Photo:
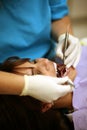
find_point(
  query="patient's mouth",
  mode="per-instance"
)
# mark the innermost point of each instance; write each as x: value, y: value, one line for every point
x: 60, y: 70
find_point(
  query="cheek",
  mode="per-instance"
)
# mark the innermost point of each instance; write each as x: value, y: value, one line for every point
x: 46, y: 67
x: 23, y: 71
x: 51, y: 69
x: 28, y: 72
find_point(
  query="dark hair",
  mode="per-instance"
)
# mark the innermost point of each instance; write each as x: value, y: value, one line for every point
x: 23, y: 112
x: 10, y: 63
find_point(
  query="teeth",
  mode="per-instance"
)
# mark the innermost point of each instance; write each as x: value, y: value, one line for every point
x: 55, y: 66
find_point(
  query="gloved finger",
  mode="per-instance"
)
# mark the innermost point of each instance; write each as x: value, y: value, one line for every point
x: 72, y: 48
x: 64, y: 89
x: 78, y: 58
x: 72, y: 44
x: 69, y: 49
x: 70, y: 63
x: 72, y: 55
x: 70, y: 60
x: 74, y: 61
x: 61, y: 80
x: 60, y: 54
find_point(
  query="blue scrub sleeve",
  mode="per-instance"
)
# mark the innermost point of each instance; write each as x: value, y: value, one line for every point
x: 59, y: 9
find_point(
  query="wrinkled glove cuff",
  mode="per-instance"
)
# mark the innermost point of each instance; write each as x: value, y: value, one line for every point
x: 24, y: 91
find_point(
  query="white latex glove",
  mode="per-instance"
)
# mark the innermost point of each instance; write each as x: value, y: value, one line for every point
x: 72, y: 52
x: 46, y: 88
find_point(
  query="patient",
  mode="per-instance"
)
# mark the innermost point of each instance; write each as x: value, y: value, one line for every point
x: 77, y: 99
x: 44, y: 67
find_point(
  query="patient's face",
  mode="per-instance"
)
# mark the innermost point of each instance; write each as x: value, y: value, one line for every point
x: 42, y: 66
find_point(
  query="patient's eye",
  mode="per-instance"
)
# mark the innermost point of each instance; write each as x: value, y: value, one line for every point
x: 35, y: 61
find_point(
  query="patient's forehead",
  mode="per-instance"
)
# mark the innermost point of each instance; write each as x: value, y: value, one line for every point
x: 41, y: 60
x: 44, y: 60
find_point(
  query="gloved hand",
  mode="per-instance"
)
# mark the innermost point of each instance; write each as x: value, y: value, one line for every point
x: 45, y: 88
x: 72, y: 52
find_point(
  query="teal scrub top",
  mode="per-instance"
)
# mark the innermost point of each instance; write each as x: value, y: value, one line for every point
x: 25, y: 27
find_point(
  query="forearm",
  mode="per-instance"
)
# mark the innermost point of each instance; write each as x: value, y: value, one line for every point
x: 11, y: 83
x: 60, y: 26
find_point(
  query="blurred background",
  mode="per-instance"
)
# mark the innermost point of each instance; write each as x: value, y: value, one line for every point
x: 78, y: 14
